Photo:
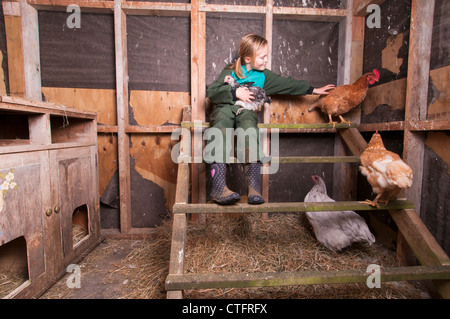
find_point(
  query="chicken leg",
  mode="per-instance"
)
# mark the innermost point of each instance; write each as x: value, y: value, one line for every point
x: 331, y: 121
x: 373, y: 203
x: 344, y: 121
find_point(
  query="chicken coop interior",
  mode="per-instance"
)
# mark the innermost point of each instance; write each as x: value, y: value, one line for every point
x: 103, y: 107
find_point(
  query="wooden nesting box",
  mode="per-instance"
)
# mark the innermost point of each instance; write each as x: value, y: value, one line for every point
x: 49, y: 203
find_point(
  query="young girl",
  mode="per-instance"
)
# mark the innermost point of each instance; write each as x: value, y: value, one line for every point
x: 249, y: 67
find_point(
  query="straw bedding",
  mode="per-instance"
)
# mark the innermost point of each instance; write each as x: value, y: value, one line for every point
x: 284, y: 242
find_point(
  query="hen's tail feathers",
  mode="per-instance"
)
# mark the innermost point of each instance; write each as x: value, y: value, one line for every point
x: 401, y: 173
x: 312, y: 107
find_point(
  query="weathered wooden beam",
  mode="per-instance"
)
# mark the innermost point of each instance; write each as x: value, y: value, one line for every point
x: 268, y: 34
x: 386, y: 126
x: 419, y: 238
x: 14, y: 43
x: 156, y: 8
x: 315, y: 159
x: 354, y: 140
x: 428, y: 125
x: 177, y: 252
x: 309, y: 14
x: 224, y: 8
x: 92, y: 6
x: 286, y: 207
x: 360, y: 6
x: 31, y: 60
x: 345, y: 45
x: 281, y: 126
x: 283, y: 160
x: 182, y: 189
x: 421, y: 28
x: 422, y: 243
x: 19, y: 104
x: 246, y: 280
x: 151, y: 128
x: 120, y: 38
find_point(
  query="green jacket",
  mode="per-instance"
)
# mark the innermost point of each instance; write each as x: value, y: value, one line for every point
x: 220, y: 92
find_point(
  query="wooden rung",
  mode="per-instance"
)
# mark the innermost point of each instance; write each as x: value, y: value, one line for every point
x: 285, y: 160
x: 315, y: 159
x: 246, y: 280
x: 181, y: 208
x: 307, y: 126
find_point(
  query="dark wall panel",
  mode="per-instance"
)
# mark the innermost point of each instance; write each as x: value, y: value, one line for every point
x: 159, y: 53
x: 223, y: 35
x: 79, y: 57
x: 293, y: 181
x: 435, y: 203
x: 306, y: 50
x: 395, y: 16
x: 440, y: 45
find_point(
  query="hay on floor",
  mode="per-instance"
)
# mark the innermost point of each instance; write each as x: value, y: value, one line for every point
x: 284, y: 242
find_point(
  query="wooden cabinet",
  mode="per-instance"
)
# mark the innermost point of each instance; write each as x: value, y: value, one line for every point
x: 49, y: 202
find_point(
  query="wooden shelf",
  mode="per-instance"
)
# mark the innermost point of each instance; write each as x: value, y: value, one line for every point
x: 281, y: 126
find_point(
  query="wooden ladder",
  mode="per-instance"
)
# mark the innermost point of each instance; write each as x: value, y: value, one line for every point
x: 435, y: 264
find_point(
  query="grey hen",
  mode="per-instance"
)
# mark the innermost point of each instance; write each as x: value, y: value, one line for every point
x: 260, y: 97
x: 335, y: 229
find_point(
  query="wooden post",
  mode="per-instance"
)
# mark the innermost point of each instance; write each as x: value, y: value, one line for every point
x: 341, y: 171
x: 201, y: 109
x: 14, y: 43
x: 31, y: 60
x: 268, y: 34
x: 421, y: 28
x: 120, y: 34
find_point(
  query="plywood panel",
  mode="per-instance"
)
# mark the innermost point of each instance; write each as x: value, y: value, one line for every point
x: 3, y: 80
x: 391, y: 93
x: 13, y: 28
x: 158, y: 107
x: 440, y: 103
x: 294, y: 109
x: 152, y: 158
x: 102, y: 101
x: 107, y: 159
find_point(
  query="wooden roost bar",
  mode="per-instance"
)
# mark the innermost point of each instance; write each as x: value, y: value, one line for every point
x: 137, y: 112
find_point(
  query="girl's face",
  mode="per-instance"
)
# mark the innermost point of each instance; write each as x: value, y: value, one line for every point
x: 261, y: 59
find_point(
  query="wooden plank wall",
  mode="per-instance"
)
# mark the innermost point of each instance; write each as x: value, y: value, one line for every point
x: 134, y: 139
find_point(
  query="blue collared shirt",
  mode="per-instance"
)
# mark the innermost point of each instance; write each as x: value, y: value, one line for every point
x: 253, y: 75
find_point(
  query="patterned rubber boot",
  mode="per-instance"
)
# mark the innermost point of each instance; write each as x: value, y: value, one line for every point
x: 253, y: 175
x: 220, y: 192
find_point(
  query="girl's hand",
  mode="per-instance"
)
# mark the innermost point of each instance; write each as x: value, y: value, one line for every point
x: 324, y: 89
x: 244, y: 94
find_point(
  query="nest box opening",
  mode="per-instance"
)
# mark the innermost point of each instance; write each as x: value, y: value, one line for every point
x: 80, y: 224
x: 13, y: 265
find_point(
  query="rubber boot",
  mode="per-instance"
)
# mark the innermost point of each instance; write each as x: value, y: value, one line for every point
x: 253, y: 175
x: 220, y: 192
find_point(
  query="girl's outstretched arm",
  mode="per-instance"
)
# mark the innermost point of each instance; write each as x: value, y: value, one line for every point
x: 324, y: 89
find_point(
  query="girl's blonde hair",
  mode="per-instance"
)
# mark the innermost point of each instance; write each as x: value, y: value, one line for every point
x: 249, y: 46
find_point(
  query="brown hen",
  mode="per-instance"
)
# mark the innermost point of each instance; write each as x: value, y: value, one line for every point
x: 386, y: 172
x: 345, y: 98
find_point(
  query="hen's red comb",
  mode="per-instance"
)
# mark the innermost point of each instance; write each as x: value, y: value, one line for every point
x: 377, y: 73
